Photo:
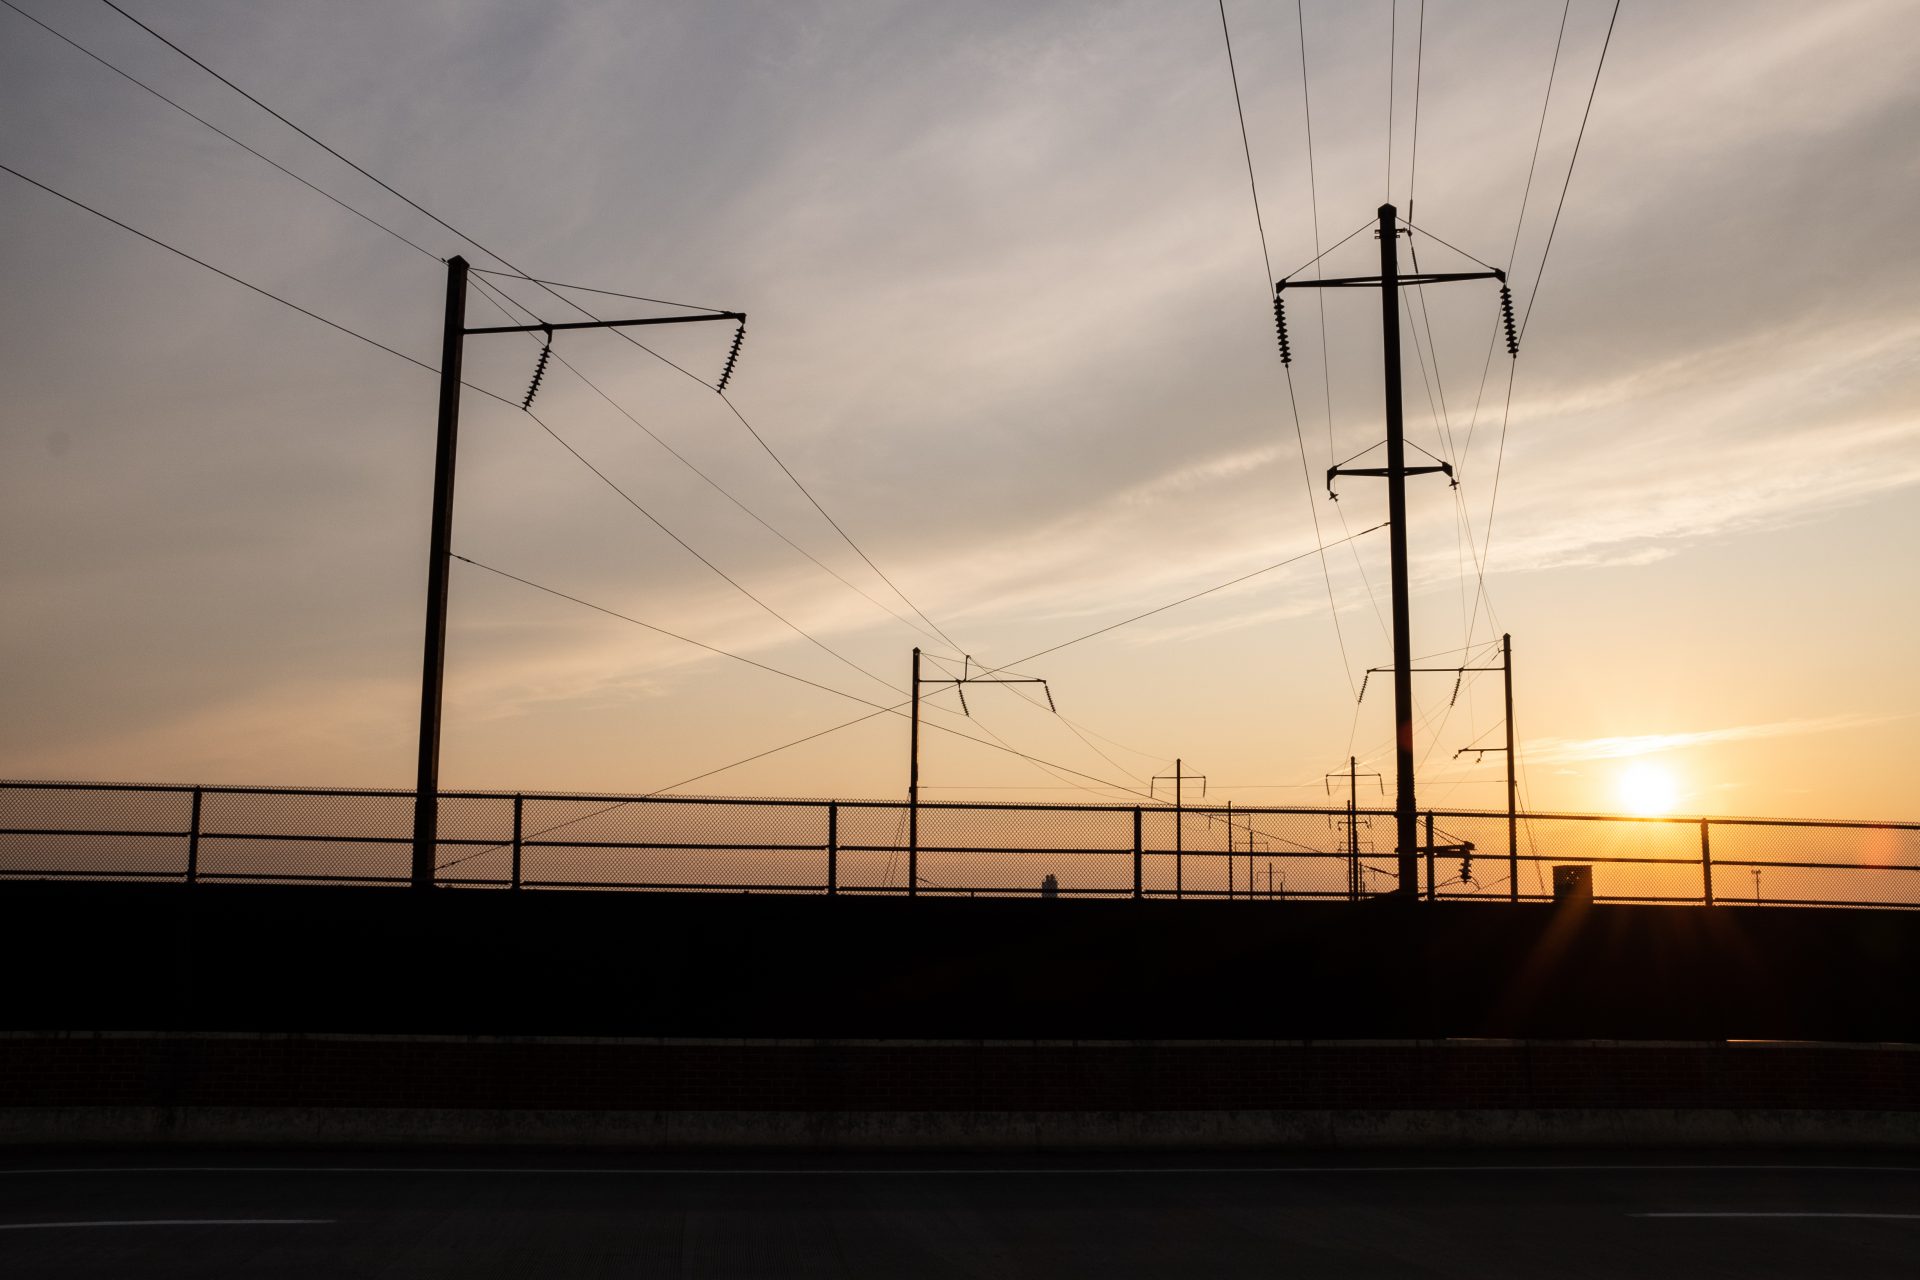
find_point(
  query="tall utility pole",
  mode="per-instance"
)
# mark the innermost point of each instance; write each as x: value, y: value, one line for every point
x: 1395, y: 473
x: 426, y: 801
x: 913, y: 747
x: 1178, y: 776
x: 1513, y: 787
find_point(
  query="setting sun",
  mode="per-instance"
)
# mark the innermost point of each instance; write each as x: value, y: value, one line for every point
x: 1647, y: 789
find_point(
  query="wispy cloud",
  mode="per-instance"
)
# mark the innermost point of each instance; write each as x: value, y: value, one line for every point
x: 1566, y: 750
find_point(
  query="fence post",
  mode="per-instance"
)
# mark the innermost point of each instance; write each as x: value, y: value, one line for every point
x: 1433, y: 887
x: 1136, y: 851
x: 518, y: 804
x: 193, y: 840
x: 833, y: 847
x: 1706, y: 865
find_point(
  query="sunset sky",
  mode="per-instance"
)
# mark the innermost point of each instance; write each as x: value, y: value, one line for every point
x: 1010, y: 326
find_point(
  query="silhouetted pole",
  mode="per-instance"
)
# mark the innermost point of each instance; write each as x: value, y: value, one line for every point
x: 1230, y: 853
x: 426, y: 794
x: 1395, y: 473
x: 913, y: 787
x: 1407, y: 833
x: 1178, y: 776
x: 1513, y: 788
x: 1353, y: 829
x: 1177, y: 771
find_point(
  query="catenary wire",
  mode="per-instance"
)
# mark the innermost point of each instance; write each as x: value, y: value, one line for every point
x: 131, y: 79
x: 228, y: 275
x: 1500, y: 451
x: 532, y: 279
x: 1266, y: 261
x: 486, y: 292
x: 690, y: 550
x: 1320, y: 306
x: 879, y: 708
x: 583, y: 288
x: 1114, y: 626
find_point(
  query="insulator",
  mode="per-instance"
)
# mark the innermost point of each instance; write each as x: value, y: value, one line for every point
x: 539, y: 372
x: 726, y: 374
x: 1466, y: 868
x: 1280, y: 327
x: 1506, y: 316
x: 1363, y: 687
x: 1458, y: 677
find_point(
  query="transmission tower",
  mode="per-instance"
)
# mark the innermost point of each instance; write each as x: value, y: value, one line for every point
x: 1395, y: 473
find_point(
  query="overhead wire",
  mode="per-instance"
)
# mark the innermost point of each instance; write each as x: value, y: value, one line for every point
x: 132, y: 79
x: 1266, y: 288
x: 393, y: 351
x: 228, y: 275
x: 549, y: 288
x: 1320, y: 307
x: 1534, y: 293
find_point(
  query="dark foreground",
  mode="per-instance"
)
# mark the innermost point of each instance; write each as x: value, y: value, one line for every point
x: 212, y: 1214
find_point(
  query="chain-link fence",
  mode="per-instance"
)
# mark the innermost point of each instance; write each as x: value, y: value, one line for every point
x: 59, y: 830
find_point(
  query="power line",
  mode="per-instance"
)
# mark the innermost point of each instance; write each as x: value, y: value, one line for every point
x: 581, y: 458
x: 879, y: 709
x: 228, y: 275
x: 1500, y: 452
x: 308, y: 136
x: 671, y: 635
x: 1114, y: 626
x: 1246, y: 147
x: 731, y: 497
x: 1579, y: 137
x: 1393, y: 54
x: 1320, y: 306
x: 808, y: 494
x: 131, y: 79
x: 690, y: 550
x: 610, y: 293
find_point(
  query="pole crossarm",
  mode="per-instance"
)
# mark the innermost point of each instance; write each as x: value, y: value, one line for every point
x: 605, y: 324
x: 1374, y: 282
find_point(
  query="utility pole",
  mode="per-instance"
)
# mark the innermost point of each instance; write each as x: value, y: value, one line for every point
x: 1395, y: 473
x: 913, y: 747
x: 426, y: 796
x: 1178, y: 775
x: 1513, y: 787
x: 1353, y: 776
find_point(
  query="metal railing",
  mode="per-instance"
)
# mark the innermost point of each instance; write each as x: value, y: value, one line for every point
x: 503, y: 840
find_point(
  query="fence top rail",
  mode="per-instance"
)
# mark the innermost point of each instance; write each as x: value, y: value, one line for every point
x: 1117, y: 808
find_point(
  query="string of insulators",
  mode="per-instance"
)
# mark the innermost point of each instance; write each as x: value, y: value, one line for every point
x: 1362, y: 697
x: 1506, y: 315
x: 1280, y: 327
x: 539, y: 372
x: 1458, y: 677
x: 726, y: 374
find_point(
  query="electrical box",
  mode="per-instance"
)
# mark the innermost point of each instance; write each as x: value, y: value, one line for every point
x: 1573, y: 884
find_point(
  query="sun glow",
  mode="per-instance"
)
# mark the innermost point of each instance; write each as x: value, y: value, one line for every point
x: 1647, y: 789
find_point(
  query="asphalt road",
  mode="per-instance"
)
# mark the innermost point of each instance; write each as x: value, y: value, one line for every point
x: 420, y: 1214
